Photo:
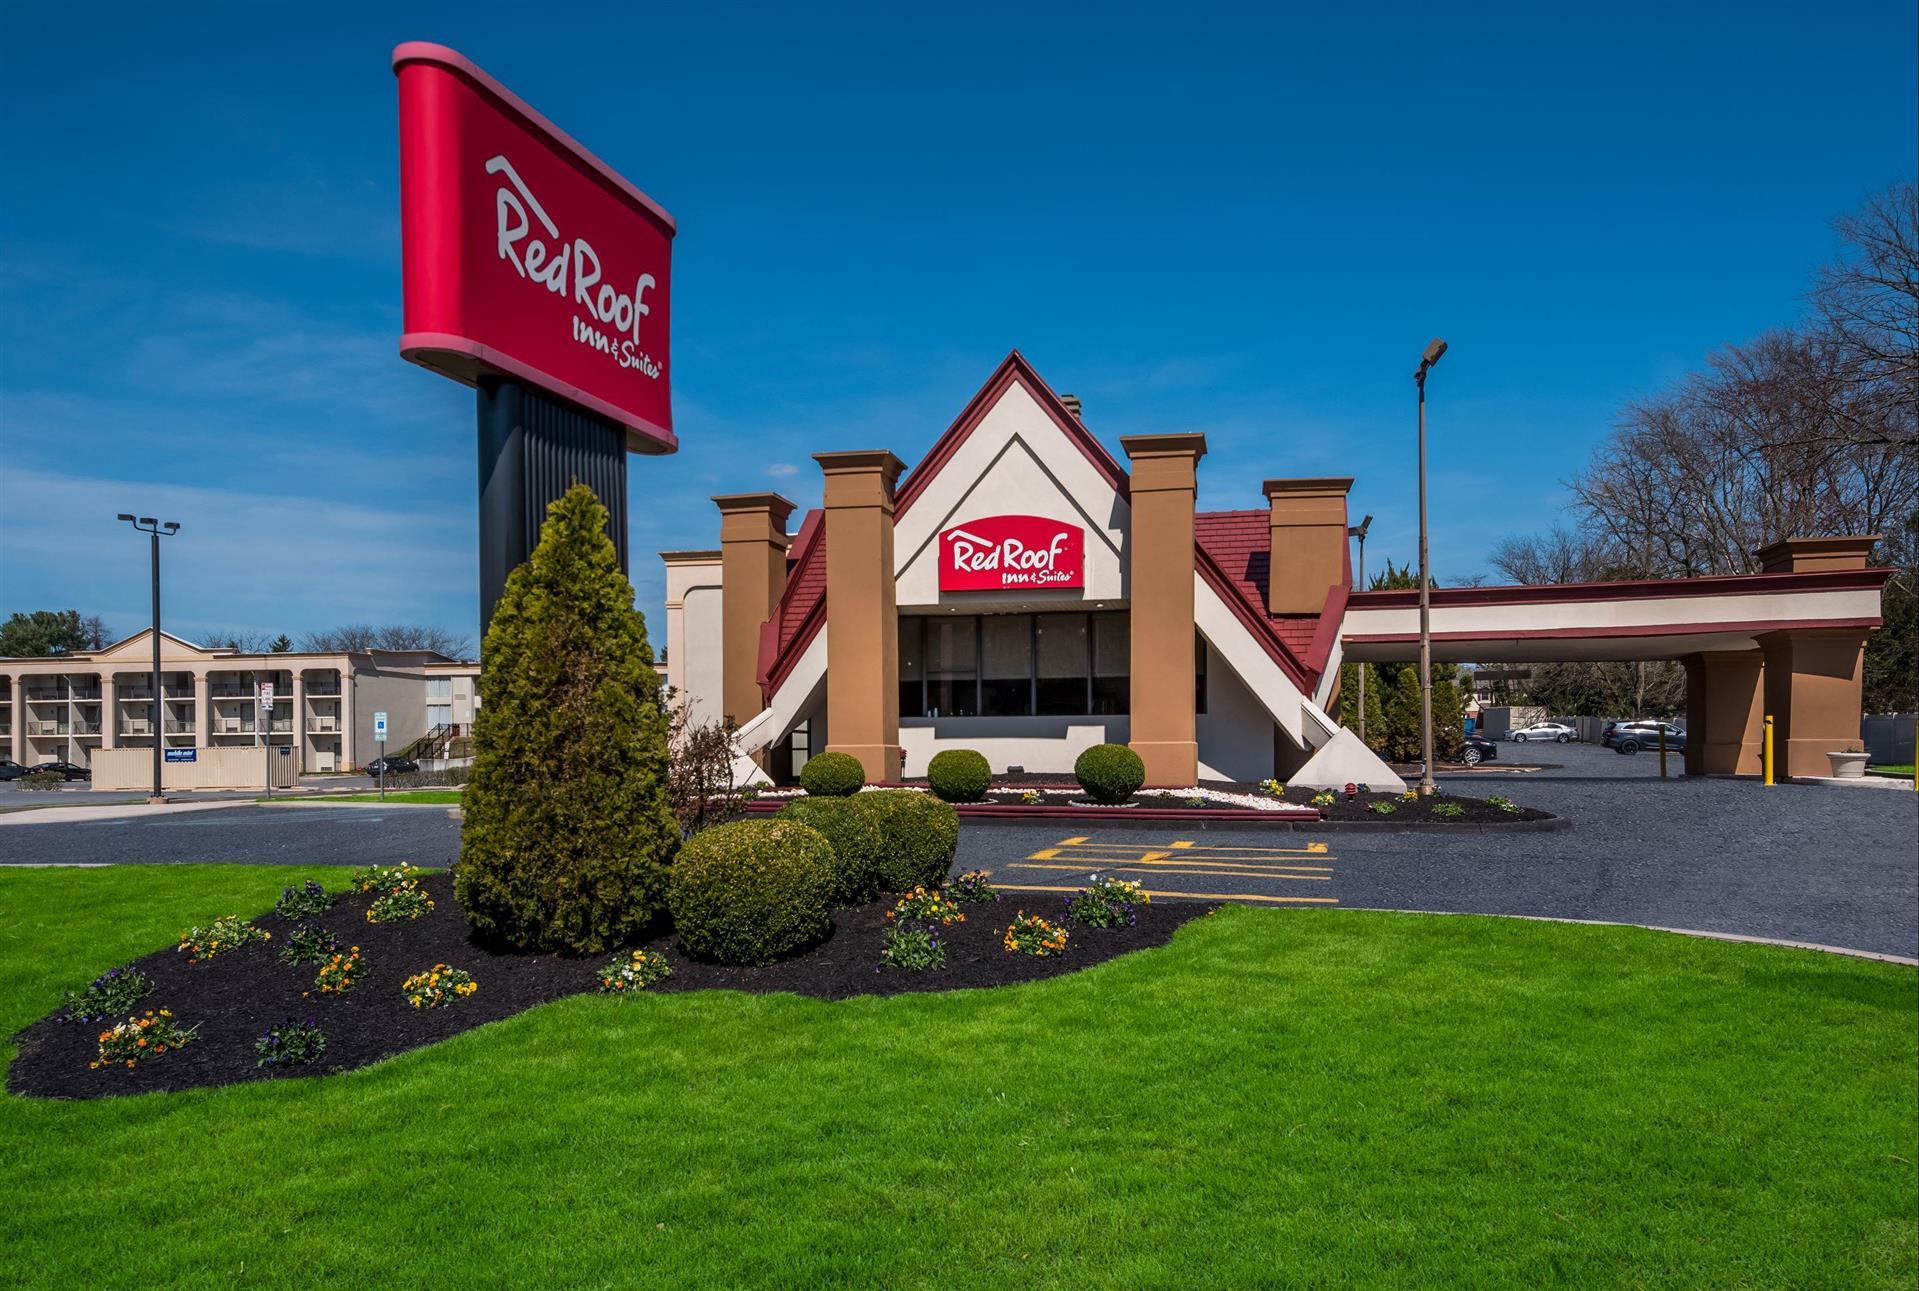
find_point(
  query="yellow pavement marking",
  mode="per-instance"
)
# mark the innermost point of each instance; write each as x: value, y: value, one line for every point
x: 1184, y: 842
x: 1245, y: 866
x: 1195, y: 896
x: 1160, y: 869
x: 1155, y: 856
x: 1044, y: 854
x: 1071, y: 842
x: 1315, y: 849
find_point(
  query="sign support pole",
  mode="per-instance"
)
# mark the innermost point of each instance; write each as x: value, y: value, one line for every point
x: 533, y: 447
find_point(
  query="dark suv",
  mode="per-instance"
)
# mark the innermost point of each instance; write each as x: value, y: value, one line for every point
x: 1630, y: 737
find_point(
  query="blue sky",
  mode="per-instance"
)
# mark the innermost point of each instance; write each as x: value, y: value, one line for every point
x: 1242, y: 221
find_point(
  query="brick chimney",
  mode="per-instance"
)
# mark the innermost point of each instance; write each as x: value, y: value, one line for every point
x: 1307, y: 551
x: 1072, y: 405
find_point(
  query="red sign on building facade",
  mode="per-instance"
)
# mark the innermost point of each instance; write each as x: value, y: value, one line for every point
x: 1023, y: 552
x: 524, y: 255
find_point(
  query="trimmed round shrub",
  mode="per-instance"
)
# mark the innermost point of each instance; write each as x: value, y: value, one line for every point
x: 855, y: 841
x: 960, y: 775
x: 1109, y: 772
x: 833, y: 775
x: 752, y: 891
x: 918, y: 836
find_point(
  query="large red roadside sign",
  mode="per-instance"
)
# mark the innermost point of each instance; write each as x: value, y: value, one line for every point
x: 526, y: 256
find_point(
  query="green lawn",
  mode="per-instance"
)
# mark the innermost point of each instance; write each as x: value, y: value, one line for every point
x: 1891, y: 768
x: 1278, y: 1098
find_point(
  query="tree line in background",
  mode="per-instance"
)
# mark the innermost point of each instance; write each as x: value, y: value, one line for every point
x: 41, y: 634
x: 1392, y: 697
x: 1807, y: 430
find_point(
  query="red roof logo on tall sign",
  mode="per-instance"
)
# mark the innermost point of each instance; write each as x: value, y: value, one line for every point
x: 525, y: 256
x: 1012, y: 552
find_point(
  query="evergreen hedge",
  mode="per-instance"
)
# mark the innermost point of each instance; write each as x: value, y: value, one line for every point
x: 856, y: 844
x: 568, y: 833
x: 752, y: 891
x: 1109, y: 773
x: 960, y: 775
x: 918, y: 836
x: 833, y: 775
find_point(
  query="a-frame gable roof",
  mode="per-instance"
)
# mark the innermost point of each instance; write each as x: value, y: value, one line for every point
x: 1013, y: 370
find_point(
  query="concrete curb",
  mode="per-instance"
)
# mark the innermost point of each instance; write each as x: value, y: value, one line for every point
x: 1704, y: 935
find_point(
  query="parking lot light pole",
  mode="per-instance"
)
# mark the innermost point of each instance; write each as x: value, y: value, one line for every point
x: 156, y: 715
x: 1426, y: 785
x: 1359, y: 531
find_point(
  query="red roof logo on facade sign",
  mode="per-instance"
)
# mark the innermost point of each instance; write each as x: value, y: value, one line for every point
x: 1025, y: 552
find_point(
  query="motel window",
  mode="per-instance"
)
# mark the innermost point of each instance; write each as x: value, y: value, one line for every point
x: 1112, y: 663
x: 1015, y: 665
x: 912, y: 668
x: 1062, y: 665
x: 952, y: 667
x: 1006, y: 665
x: 439, y: 688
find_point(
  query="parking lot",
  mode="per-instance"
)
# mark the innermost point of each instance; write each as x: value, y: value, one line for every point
x: 1795, y: 862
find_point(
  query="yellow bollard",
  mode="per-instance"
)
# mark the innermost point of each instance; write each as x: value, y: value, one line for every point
x: 1766, y: 750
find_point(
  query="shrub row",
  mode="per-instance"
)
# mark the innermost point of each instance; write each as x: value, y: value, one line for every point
x: 1109, y: 773
x: 757, y: 890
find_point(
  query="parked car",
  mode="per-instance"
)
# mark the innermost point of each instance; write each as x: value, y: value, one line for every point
x: 66, y: 770
x: 11, y: 770
x: 1557, y: 732
x: 1630, y: 737
x: 394, y: 765
x: 1478, y: 749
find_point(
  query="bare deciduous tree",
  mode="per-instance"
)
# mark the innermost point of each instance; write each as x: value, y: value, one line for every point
x: 360, y: 637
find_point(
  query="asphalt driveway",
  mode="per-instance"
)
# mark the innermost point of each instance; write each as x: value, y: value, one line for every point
x: 1801, y: 863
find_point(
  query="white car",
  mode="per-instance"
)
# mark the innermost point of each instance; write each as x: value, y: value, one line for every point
x: 1557, y: 732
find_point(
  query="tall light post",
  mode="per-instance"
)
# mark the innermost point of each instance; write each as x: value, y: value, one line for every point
x: 157, y: 719
x: 1359, y: 531
x: 1426, y: 785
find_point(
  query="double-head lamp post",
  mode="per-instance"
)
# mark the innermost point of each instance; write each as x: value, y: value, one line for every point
x: 157, y: 713
x: 1359, y: 531
x: 1426, y: 785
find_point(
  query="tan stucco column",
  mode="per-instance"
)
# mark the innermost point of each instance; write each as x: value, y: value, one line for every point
x: 299, y: 721
x: 1814, y: 676
x: 1814, y: 680
x: 1161, y: 555
x: 346, y: 716
x: 753, y: 546
x: 862, y: 610
x: 17, y: 715
x: 1725, y: 716
x: 1306, y: 551
x: 109, y: 712
x: 202, y: 711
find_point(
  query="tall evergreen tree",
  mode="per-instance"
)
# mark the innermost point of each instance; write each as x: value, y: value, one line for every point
x: 568, y: 829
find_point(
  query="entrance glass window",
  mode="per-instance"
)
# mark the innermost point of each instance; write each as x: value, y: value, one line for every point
x: 952, y: 667
x: 1061, y: 655
x: 1015, y: 665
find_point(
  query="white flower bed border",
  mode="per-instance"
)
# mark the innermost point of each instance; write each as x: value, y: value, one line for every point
x: 1250, y: 801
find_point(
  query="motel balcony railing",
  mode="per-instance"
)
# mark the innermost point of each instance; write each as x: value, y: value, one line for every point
x: 44, y: 693
x: 323, y: 724
x: 86, y: 728
x: 46, y: 728
x: 137, y: 726
x: 177, y: 726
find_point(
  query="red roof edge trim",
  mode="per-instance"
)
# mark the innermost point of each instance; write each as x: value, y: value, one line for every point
x: 803, y: 545
x: 1326, y: 632
x: 1260, y: 629
x: 1012, y: 369
x: 783, y: 667
x: 1638, y: 589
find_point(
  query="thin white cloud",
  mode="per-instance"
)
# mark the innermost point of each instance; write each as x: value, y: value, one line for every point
x: 782, y: 469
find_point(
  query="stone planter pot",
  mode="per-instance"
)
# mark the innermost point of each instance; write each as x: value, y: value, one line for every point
x: 1847, y: 766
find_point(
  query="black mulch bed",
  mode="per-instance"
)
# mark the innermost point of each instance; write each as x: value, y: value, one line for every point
x: 1477, y: 811
x: 234, y: 998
